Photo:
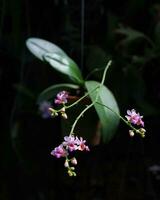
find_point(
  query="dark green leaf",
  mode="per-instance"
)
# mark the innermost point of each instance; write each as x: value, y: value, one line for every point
x: 131, y: 35
x: 109, y: 120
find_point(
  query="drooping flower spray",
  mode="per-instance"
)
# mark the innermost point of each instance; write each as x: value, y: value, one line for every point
x: 73, y: 143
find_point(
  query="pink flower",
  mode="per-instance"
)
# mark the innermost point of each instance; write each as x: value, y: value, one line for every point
x: 134, y: 117
x: 61, y: 97
x: 70, y: 143
x: 81, y: 144
x: 59, y: 152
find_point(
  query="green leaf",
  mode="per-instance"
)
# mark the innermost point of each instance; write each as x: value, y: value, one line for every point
x: 56, y: 57
x: 109, y: 120
x: 131, y: 35
x: 65, y: 65
x: 50, y: 92
x: 40, y: 47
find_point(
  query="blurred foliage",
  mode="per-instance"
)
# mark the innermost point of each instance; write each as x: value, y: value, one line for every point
x: 125, y: 31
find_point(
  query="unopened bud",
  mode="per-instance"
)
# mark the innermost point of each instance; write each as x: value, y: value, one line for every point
x: 53, y: 112
x: 70, y: 173
x: 72, y: 168
x: 63, y: 110
x: 142, y: 132
x: 74, y: 161
x: 131, y: 133
x: 64, y: 115
x: 66, y: 164
x: 73, y: 173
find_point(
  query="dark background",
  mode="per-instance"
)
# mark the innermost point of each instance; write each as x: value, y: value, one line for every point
x: 118, y: 170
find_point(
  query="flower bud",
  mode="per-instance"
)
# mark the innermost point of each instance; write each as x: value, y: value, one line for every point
x: 142, y: 132
x: 131, y: 133
x: 74, y: 161
x: 70, y: 173
x: 53, y: 112
x: 64, y: 115
x: 72, y: 168
x: 74, y: 174
x: 66, y: 164
x: 63, y: 110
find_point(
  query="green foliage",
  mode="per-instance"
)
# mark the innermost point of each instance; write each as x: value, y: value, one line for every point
x: 109, y: 120
x: 56, y: 57
x: 131, y: 35
x: 59, y: 60
x: 65, y: 65
x: 40, y: 47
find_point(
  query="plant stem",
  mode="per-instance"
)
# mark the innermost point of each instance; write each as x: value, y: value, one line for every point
x: 97, y: 95
x: 79, y: 116
x: 82, y: 98
x: 105, y: 71
x: 123, y: 119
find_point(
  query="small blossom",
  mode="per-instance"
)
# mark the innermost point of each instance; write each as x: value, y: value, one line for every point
x: 59, y: 152
x: 69, y: 143
x: 61, y: 97
x: 134, y: 117
x: 81, y: 144
x: 44, y: 109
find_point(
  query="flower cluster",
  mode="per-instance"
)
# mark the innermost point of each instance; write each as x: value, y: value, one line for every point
x: 61, y: 98
x: 70, y: 144
x: 136, y: 119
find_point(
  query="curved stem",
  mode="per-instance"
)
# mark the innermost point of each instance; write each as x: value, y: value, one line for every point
x: 105, y: 71
x: 81, y: 98
x: 79, y: 116
x: 93, y: 71
x: 123, y: 119
x: 97, y: 95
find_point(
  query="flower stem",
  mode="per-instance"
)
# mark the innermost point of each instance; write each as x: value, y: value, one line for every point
x: 123, y: 119
x: 81, y: 98
x: 97, y: 95
x: 79, y: 116
x: 105, y: 71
